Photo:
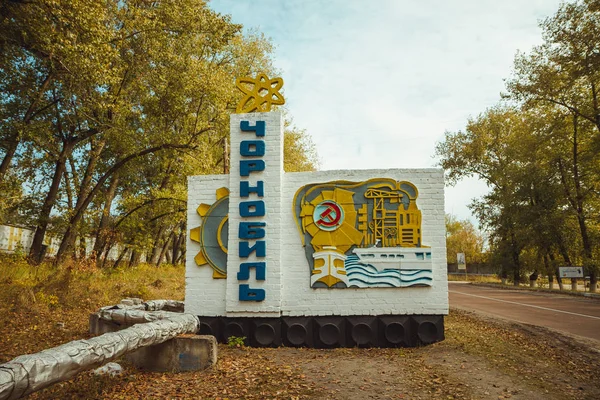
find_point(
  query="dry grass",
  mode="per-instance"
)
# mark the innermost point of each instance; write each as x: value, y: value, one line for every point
x: 44, y: 306
x: 474, y: 278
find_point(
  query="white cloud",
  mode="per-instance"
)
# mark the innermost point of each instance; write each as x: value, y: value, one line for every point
x: 376, y: 83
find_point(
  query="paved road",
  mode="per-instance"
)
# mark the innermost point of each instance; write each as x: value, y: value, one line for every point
x: 573, y: 315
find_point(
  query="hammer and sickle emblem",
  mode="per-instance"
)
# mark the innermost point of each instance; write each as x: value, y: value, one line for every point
x: 328, y: 215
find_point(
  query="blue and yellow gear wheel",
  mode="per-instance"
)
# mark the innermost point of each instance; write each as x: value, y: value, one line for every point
x: 213, y: 234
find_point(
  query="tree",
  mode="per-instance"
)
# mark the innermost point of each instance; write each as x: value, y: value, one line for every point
x: 564, y: 73
x: 107, y: 106
x: 463, y: 237
x: 565, y: 70
x: 299, y: 152
x: 40, y: 43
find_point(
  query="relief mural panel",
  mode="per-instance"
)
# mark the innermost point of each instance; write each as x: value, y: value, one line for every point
x: 362, y: 234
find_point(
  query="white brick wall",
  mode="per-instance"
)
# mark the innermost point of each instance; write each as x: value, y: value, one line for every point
x: 287, y: 283
x: 14, y: 238
x: 272, y: 177
x: 300, y: 299
x: 203, y: 294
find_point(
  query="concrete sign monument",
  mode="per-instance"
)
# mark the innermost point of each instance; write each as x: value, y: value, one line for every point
x: 318, y: 259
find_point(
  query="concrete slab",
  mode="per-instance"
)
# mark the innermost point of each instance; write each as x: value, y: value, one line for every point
x: 99, y: 326
x: 180, y: 354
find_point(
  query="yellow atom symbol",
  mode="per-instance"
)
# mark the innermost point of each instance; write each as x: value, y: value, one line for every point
x: 264, y: 93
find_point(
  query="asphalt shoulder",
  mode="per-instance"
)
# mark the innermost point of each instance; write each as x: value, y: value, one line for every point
x: 595, y: 296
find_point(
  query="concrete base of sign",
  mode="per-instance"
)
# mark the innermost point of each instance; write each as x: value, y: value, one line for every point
x: 181, y: 354
x: 330, y: 331
x: 99, y: 326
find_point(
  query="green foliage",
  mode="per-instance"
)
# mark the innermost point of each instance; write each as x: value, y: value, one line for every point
x: 299, y: 151
x: 235, y: 341
x: 463, y: 237
x: 107, y: 106
x: 538, y: 152
x: 49, y: 300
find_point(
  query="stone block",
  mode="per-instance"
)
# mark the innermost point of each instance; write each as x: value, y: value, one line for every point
x: 180, y: 354
x: 99, y: 326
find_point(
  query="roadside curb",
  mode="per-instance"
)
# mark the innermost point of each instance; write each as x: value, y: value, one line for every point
x: 588, y: 295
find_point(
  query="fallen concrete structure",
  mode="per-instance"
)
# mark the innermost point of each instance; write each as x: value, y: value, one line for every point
x: 183, y: 353
x: 29, y: 373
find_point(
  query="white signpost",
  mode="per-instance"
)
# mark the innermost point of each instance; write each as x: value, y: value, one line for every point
x: 571, y: 272
x: 461, y: 261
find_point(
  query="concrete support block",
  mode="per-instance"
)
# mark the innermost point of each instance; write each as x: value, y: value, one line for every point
x: 99, y: 326
x: 181, y: 354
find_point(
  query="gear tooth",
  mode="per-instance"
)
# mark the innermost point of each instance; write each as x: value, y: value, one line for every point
x: 203, y: 209
x: 222, y: 192
x: 217, y: 274
x: 195, y: 234
x: 200, y: 259
x: 327, y: 194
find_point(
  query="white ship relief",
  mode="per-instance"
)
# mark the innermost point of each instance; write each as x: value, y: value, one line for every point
x: 400, y: 258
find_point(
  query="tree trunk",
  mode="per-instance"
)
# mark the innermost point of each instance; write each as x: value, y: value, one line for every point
x: 516, y: 262
x: 105, y: 253
x: 68, y: 189
x: 82, y: 248
x: 563, y: 252
x: 173, y: 250
x: 35, y: 252
x: 156, y: 248
x: 180, y: 258
x: 9, y: 155
x: 555, y: 269
x: 85, y: 186
x: 549, y: 271
x: 65, y: 245
x: 593, y: 281
x: 121, y: 256
x: 84, y: 189
x: 15, y: 138
x: 103, y: 225
x: 164, y: 249
x: 577, y: 203
x: 176, y: 247
x: 135, y: 258
x: 561, y: 285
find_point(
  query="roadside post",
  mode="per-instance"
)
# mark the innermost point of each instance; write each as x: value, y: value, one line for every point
x: 462, y: 264
x: 573, y: 273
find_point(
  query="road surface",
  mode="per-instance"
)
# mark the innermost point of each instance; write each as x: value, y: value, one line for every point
x: 569, y: 314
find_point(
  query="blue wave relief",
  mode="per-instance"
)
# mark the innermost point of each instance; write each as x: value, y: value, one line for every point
x: 362, y: 275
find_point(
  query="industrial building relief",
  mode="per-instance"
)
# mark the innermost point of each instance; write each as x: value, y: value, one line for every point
x: 363, y: 234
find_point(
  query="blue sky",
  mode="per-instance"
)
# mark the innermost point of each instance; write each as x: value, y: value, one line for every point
x: 376, y: 83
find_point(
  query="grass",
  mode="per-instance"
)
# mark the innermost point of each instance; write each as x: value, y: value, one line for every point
x: 82, y: 284
x: 474, y: 278
x: 44, y: 306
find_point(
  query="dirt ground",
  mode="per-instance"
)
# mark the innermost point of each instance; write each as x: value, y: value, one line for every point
x: 481, y: 358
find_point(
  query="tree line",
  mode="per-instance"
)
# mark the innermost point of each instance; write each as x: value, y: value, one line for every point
x: 106, y: 106
x: 538, y: 150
